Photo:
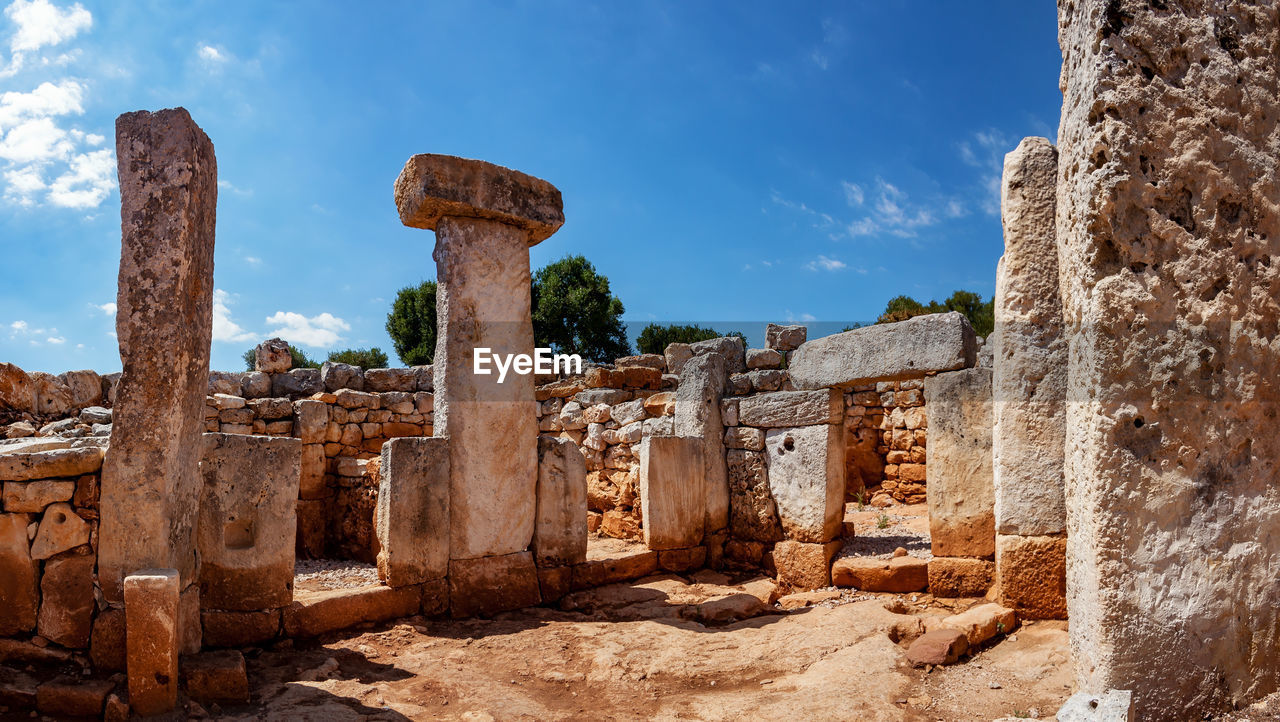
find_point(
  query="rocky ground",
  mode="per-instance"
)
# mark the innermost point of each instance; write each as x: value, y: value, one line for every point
x: 656, y: 649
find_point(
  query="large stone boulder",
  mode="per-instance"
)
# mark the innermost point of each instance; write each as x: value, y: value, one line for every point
x: 886, y: 352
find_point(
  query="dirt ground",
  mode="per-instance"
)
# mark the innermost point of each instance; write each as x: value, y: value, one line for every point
x: 653, y: 650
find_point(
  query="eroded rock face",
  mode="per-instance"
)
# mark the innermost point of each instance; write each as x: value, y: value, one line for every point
x: 961, y: 496
x: 560, y: 534
x: 1168, y: 235
x: 413, y: 511
x: 1029, y: 376
x: 164, y: 321
x: 702, y: 381
x: 672, y: 493
x: 806, y: 480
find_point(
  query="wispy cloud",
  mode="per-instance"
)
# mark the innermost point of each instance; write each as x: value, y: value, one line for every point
x: 224, y: 329
x: 803, y: 318
x: 109, y: 308
x: 819, y: 219
x: 227, y: 185
x: 891, y: 211
x: 826, y: 264
x: 986, y: 152
x: 35, y: 336
x: 43, y: 159
x: 212, y: 55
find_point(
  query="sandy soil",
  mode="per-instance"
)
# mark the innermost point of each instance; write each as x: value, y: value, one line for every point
x: 636, y: 651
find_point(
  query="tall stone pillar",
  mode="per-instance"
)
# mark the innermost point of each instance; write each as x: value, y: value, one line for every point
x: 1029, y: 381
x: 164, y: 319
x: 702, y: 383
x: 1169, y: 244
x: 485, y: 217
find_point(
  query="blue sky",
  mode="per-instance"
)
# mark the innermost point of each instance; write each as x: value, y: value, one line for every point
x: 728, y: 161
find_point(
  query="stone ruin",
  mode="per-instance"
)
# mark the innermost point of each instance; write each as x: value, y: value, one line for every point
x: 1104, y: 455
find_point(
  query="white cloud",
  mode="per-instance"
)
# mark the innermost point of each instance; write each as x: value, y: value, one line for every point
x: 853, y: 194
x: 88, y: 182
x: 826, y: 264
x: 804, y: 317
x: 40, y: 24
x: 212, y: 54
x: 253, y: 261
x: 56, y: 340
x: 986, y: 153
x: 18, y: 325
x: 316, y: 331
x: 893, y: 213
x: 226, y: 185
x: 224, y: 329
x: 108, y: 308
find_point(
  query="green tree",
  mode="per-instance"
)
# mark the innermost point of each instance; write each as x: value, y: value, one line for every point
x: 574, y: 311
x: 655, y: 338
x: 300, y: 360
x: 412, y: 324
x: 981, y: 314
x: 373, y: 358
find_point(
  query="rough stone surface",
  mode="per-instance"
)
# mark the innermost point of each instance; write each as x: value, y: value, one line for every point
x: 151, y: 639
x: 19, y: 577
x: 792, y: 408
x: 16, y: 389
x: 483, y: 300
x: 239, y: 629
x: 803, y: 565
x: 1029, y: 376
x: 732, y: 348
x: 672, y: 491
x: 676, y: 356
x: 66, y: 601
x: 960, y: 576
x: 870, y: 574
x: 982, y: 622
x: 61, y: 529
x: 341, y: 376
x: 806, y: 480
x: 324, y: 612
x: 432, y: 187
x: 216, y: 677
x: 164, y: 321
x: 65, y: 696
x: 753, y: 515
x: 413, y: 511
x: 560, y: 532
x: 34, y: 496
x: 245, y: 533
x: 492, y: 584
x: 886, y: 352
x: 49, y: 464
x: 939, y: 646
x: 702, y: 383
x: 784, y: 338
x: 106, y: 642
x: 961, y: 494
x: 272, y: 356
x: 1032, y: 575
x: 1167, y: 233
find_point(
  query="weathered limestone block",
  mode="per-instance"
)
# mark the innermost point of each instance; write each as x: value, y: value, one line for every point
x: 239, y: 629
x: 433, y: 187
x: 216, y: 677
x: 1029, y: 377
x: 66, y: 601
x: 245, y: 534
x: 752, y: 512
x: 803, y: 565
x: 164, y: 322
x: 341, y: 376
x: 785, y: 338
x: 960, y: 576
x: 52, y: 396
x: 676, y: 356
x: 151, y: 639
x: 806, y: 480
x: 50, y: 464
x: 1167, y: 229
x: 899, y: 574
x: 322, y: 612
x: 672, y: 493
x: 34, y: 496
x: 19, y: 577
x: 106, y: 642
x: 16, y: 389
x: 311, y: 421
x: 560, y: 532
x: 85, y: 387
x: 412, y: 521
x: 732, y: 348
x: 61, y: 529
x: 272, y: 356
x: 399, y: 379
x: 296, y: 382
x: 792, y: 408
x: 961, y: 494
x: 490, y: 585
x: 702, y: 383
x: 1032, y: 575
x: 886, y: 352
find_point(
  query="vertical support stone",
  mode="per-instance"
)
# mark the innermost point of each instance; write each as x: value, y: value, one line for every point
x: 958, y: 475
x: 151, y: 639
x: 248, y: 514
x: 806, y: 479
x: 672, y: 491
x: 702, y: 382
x: 19, y: 577
x: 485, y: 217
x: 1029, y: 387
x: 560, y: 534
x: 164, y: 320
x: 412, y: 519
x: 1169, y: 241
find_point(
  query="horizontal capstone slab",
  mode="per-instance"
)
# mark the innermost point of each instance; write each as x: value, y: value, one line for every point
x: 900, y: 351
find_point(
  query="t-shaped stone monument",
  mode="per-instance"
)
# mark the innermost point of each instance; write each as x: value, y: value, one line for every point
x: 485, y: 217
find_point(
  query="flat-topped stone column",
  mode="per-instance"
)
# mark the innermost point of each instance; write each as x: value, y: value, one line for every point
x: 485, y: 217
x: 164, y: 321
x: 1029, y: 385
x: 1168, y: 233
